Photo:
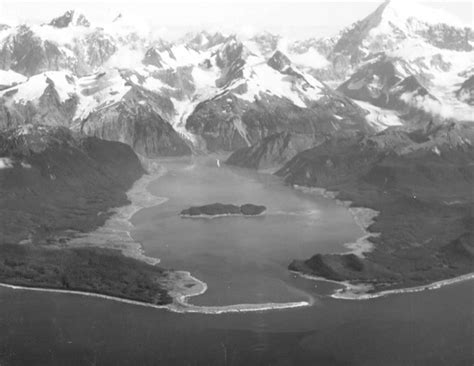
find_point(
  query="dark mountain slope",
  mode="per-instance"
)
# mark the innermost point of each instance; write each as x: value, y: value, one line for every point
x: 54, y: 184
x: 53, y: 181
x: 421, y: 183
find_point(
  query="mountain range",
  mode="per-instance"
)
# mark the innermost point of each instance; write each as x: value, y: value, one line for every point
x: 381, y: 113
x: 218, y: 92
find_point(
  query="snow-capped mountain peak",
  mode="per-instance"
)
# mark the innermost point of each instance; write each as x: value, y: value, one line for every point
x: 203, y: 40
x: 266, y: 42
x: 401, y: 11
x: 279, y: 61
x: 397, y: 60
x: 397, y: 21
x: 70, y: 18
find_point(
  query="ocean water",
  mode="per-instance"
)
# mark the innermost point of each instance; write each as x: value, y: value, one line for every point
x: 243, y: 260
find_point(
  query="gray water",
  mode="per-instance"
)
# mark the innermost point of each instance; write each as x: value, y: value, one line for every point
x: 242, y: 260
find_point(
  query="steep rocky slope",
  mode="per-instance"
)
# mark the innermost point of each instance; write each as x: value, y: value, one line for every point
x: 54, y: 181
x: 273, y: 151
x: 189, y: 84
x: 466, y: 92
x: 137, y: 121
x: 30, y: 50
x: 107, y: 104
x: 267, y: 98
x: 385, y: 82
x: 426, y: 44
x: 54, y: 185
x: 398, y: 29
x: 222, y: 92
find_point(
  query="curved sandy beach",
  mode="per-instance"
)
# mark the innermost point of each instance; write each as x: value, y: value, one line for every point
x: 180, y: 294
x: 182, y: 285
x: 115, y: 234
x: 352, y: 291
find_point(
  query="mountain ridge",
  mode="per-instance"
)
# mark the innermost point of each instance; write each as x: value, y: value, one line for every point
x: 206, y: 68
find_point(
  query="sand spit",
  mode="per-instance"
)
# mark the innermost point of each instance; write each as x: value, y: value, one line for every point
x: 360, y: 291
x: 364, y: 217
x: 353, y: 292
x: 187, y: 286
x: 245, y: 308
x: 181, y: 285
x: 184, y: 286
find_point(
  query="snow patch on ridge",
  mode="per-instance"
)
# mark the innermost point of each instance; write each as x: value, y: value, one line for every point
x: 10, y: 77
x: 33, y: 88
x: 261, y: 78
x: 99, y: 91
x: 380, y: 118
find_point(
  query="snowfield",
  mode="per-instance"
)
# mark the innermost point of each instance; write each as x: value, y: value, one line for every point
x: 202, y: 66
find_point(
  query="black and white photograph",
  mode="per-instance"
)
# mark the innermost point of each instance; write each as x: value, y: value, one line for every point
x: 236, y: 183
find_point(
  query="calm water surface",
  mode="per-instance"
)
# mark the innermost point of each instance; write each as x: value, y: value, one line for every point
x: 242, y: 260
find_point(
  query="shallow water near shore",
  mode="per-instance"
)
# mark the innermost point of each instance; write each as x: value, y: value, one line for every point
x: 245, y: 263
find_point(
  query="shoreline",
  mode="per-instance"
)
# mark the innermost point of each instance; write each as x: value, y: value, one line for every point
x: 363, y: 217
x: 210, y: 217
x: 181, y: 284
x: 179, y: 304
x: 347, y: 294
x: 116, y: 232
x: 352, y: 291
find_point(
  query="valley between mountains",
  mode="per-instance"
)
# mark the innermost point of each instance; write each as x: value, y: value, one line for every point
x: 381, y: 115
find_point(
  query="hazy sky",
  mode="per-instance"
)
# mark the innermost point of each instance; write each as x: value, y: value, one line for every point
x: 291, y: 18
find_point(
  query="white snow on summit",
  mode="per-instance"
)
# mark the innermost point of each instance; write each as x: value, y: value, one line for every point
x: 10, y: 77
x: 403, y: 13
x: 34, y: 87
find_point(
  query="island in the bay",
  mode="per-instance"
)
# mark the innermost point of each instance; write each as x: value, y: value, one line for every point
x: 419, y: 183
x: 220, y: 209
